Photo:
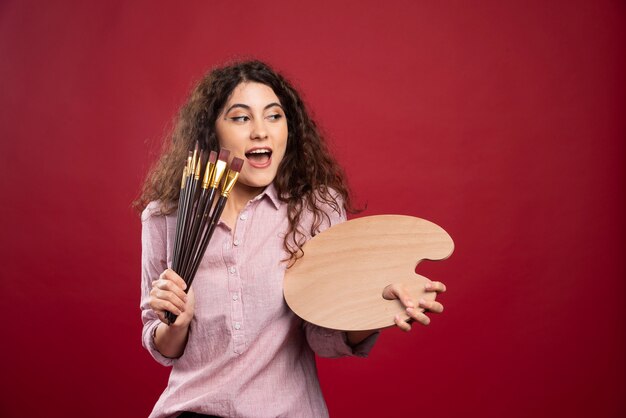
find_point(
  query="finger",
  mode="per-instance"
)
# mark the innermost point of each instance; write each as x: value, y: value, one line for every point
x: 402, y: 324
x: 397, y: 291
x: 164, y: 305
x: 431, y: 306
x: 170, y: 274
x: 418, y: 316
x: 172, y: 287
x: 161, y: 307
x: 166, y: 295
x: 435, y: 287
x: 161, y: 316
x: 191, y: 300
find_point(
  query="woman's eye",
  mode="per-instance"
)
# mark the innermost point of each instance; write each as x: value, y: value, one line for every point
x: 275, y: 116
x: 240, y: 118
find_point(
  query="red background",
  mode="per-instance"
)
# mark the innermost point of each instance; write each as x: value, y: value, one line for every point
x: 501, y: 121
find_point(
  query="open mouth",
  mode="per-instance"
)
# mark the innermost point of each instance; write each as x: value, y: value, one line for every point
x: 259, y: 157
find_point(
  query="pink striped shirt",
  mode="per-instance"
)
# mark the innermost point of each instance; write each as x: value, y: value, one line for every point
x: 247, y: 354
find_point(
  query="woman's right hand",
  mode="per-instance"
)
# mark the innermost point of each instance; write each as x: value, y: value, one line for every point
x: 168, y: 294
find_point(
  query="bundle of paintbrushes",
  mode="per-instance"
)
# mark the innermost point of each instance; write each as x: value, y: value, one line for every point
x: 199, y: 208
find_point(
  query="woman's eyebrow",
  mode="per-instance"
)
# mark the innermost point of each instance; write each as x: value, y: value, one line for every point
x: 272, y: 105
x: 236, y: 105
x: 244, y: 106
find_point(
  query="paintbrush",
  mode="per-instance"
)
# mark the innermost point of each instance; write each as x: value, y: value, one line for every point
x: 182, y: 198
x: 220, y: 169
x: 227, y: 187
x: 195, y: 239
x: 205, y: 200
x: 191, y: 208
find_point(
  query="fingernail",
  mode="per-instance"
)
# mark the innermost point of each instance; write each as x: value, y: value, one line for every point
x: 428, y: 285
x: 397, y: 318
x: 409, y: 303
x: 410, y: 310
x: 423, y: 303
x: 184, y: 286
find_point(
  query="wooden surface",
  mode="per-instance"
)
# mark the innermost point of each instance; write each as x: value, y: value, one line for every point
x: 338, y: 283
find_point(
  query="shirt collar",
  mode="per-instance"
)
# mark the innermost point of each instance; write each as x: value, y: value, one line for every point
x: 271, y: 192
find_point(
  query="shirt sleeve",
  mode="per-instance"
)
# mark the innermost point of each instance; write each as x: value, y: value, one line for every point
x: 332, y: 343
x: 153, y: 263
x: 327, y: 342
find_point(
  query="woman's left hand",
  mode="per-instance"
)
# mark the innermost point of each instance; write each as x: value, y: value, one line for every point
x: 398, y: 291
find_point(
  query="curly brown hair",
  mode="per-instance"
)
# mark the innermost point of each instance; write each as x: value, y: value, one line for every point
x: 305, y: 177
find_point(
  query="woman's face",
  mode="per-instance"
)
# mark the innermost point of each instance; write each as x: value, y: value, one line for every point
x: 253, y: 127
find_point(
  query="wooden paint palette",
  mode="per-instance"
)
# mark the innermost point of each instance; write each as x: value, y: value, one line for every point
x: 339, y: 281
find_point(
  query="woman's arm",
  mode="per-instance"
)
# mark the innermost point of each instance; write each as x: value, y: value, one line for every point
x: 168, y: 294
x: 161, y: 290
x: 357, y: 337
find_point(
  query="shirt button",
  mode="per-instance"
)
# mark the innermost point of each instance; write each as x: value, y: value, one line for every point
x: 244, y: 216
x: 232, y: 270
x: 237, y: 325
x: 235, y: 297
x: 236, y: 242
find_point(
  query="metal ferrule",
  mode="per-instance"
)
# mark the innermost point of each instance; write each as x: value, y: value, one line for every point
x: 188, y: 166
x: 220, y: 168
x: 197, y: 173
x: 209, y: 173
x: 229, y: 182
x: 194, y: 157
x: 182, y: 183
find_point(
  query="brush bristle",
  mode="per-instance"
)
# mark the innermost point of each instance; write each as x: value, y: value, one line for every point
x: 224, y: 153
x: 213, y: 157
x: 236, y: 164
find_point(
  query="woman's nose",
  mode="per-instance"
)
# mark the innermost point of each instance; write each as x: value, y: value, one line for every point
x: 258, y: 130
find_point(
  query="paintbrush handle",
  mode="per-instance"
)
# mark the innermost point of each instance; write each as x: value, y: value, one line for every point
x: 217, y: 213
x: 215, y: 217
x: 188, y: 223
x: 170, y: 317
x: 181, y: 199
x: 203, y: 218
x: 181, y: 237
x: 181, y: 222
x: 195, y: 226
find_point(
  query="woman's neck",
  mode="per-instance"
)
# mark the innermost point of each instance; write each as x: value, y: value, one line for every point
x: 242, y: 194
x: 238, y: 199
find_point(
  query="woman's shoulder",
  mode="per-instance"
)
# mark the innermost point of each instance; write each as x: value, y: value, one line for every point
x: 156, y: 209
x: 323, y: 209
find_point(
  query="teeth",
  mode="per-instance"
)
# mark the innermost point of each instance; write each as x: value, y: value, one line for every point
x: 259, y: 151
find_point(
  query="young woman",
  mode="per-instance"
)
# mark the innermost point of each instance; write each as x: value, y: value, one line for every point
x: 236, y: 349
